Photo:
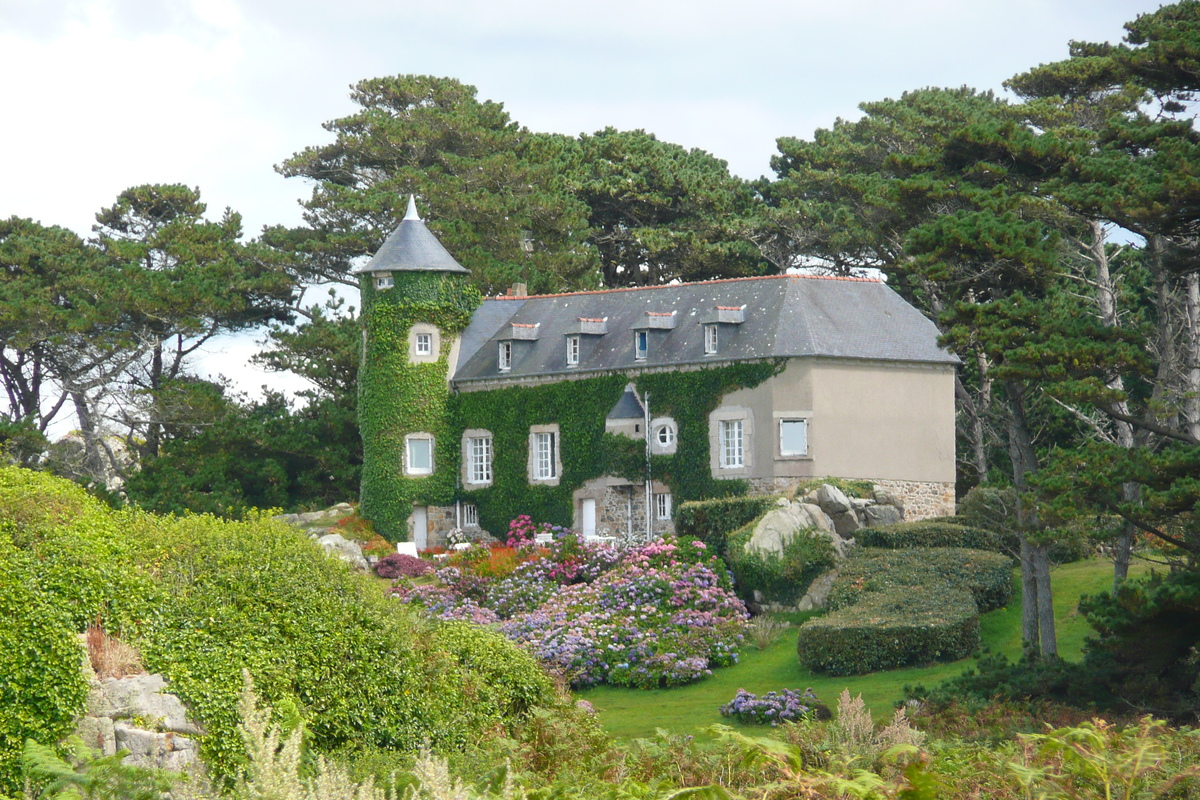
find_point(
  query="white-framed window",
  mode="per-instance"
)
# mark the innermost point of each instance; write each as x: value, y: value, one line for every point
x: 793, y: 437
x: 384, y: 282
x: 424, y: 344
x: 479, y: 459
x: 733, y: 453
x: 662, y: 505
x: 544, y: 463
x: 470, y: 515
x: 504, y: 357
x: 641, y: 344
x: 418, y: 454
x: 572, y: 351
x: 665, y: 435
x: 710, y: 339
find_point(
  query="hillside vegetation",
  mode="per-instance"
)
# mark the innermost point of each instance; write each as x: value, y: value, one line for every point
x: 204, y: 598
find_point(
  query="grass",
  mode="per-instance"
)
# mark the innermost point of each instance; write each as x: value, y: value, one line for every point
x: 634, y: 713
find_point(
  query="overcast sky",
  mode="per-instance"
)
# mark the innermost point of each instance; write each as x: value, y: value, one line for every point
x: 100, y: 95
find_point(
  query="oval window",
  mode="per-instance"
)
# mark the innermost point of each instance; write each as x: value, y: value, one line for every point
x: 666, y: 435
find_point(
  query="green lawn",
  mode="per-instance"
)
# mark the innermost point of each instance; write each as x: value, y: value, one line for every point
x: 631, y: 713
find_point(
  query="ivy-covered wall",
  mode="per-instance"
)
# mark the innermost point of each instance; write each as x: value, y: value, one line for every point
x: 580, y: 407
x: 396, y: 397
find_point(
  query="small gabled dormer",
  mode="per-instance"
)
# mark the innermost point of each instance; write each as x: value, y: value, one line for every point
x: 712, y: 322
x: 628, y: 416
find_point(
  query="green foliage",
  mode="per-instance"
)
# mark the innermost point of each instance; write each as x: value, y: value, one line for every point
x: 712, y: 521
x: 891, y: 608
x: 659, y: 212
x: 780, y: 577
x: 41, y: 684
x: 203, y: 599
x: 1145, y: 651
x: 889, y: 629
x: 503, y: 679
x: 579, y: 408
x: 987, y: 576
x: 481, y: 178
x: 91, y: 776
x: 266, y: 454
x: 396, y: 397
x: 930, y: 533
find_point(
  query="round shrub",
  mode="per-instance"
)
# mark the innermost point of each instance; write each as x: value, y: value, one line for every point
x: 932, y: 621
x: 772, y: 708
x: 401, y: 565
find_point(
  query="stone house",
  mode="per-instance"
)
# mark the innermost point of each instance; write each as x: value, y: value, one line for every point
x: 853, y: 386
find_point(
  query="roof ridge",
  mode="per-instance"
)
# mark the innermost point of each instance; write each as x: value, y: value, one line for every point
x: 847, y: 278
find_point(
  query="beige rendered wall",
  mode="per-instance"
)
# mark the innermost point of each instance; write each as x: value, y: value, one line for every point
x: 867, y: 419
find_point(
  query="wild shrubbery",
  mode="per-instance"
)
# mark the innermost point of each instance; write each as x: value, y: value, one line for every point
x: 203, y: 598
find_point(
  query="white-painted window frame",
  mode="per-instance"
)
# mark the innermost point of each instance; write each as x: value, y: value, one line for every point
x: 710, y: 339
x: 409, y: 441
x: 504, y: 356
x: 732, y: 444
x: 573, y: 351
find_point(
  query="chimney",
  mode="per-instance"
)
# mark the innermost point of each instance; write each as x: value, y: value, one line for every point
x: 518, y: 290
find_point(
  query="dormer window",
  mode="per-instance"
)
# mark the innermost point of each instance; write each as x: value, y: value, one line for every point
x: 710, y: 340
x: 384, y: 281
x: 504, y: 357
x: 641, y: 344
x: 572, y: 351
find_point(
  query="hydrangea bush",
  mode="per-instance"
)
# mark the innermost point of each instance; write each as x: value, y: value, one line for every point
x: 662, y: 614
x: 399, y: 565
x: 772, y: 708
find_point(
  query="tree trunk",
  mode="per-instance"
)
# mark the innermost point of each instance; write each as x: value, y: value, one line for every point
x: 1037, y: 627
x: 1045, y: 600
x: 1029, y: 605
x: 1106, y: 304
x: 1191, y: 371
x: 93, y: 464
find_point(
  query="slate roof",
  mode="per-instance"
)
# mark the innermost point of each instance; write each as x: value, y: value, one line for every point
x: 786, y: 315
x: 628, y: 407
x: 411, y: 247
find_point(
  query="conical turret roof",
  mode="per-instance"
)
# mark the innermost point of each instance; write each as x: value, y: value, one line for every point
x: 411, y: 248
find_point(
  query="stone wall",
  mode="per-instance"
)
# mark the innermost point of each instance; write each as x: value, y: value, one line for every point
x: 917, y: 499
x: 612, y: 514
x: 137, y: 714
x: 922, y: 499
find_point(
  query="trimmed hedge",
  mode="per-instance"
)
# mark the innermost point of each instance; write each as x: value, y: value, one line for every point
x: 780, y: 578
x: 987, y: 576
x: 714, y: 521
x: 930, y: 533
x: 944, y: 532
x: 886, y: 630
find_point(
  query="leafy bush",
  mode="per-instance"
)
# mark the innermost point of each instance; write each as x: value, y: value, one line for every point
x: 889, y: 629
x: 772, y: 708
x: 779, y: 577
x: 203, y: 598
x: 987, y: 576
x: 401, y: 565
x: 712, y: 521
x: 41, y: 684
